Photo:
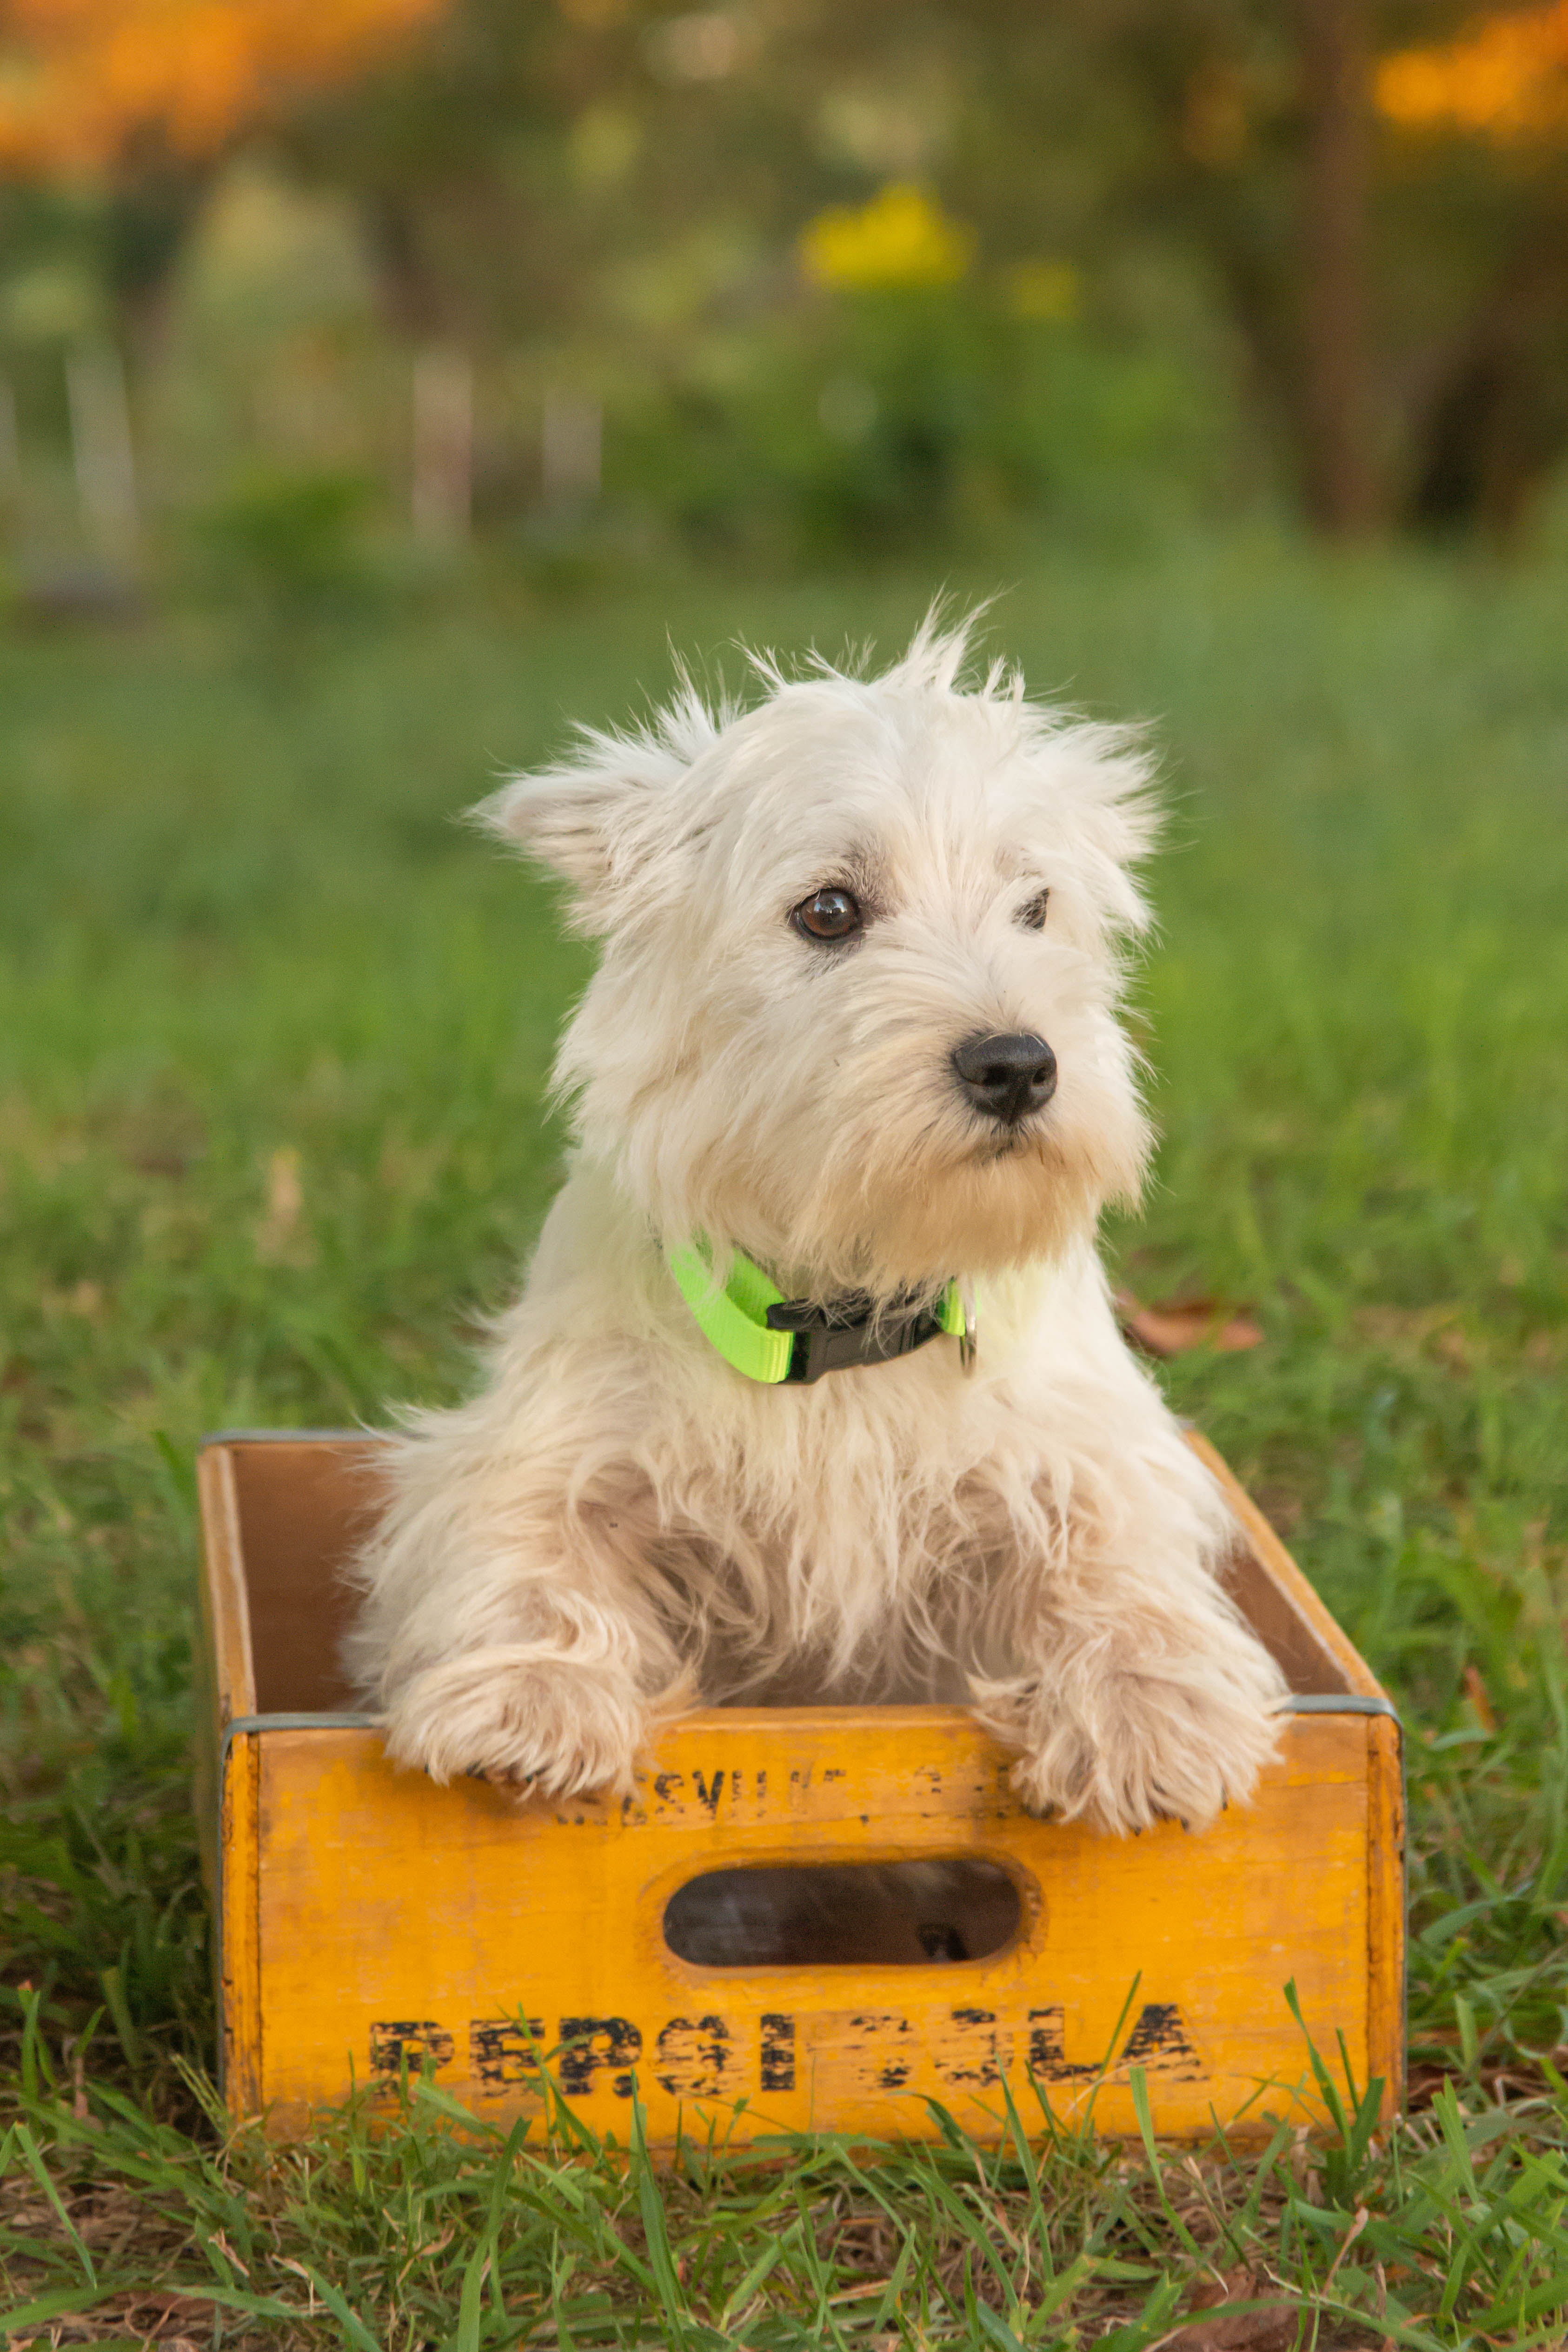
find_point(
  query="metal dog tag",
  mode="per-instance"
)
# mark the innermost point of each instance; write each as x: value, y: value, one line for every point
x: 969, y: 1342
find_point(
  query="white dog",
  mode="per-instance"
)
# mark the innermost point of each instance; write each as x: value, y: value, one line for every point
x: 851, y: 1056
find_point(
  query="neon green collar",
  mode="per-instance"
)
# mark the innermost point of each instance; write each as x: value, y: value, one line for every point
x: 772, y: 1340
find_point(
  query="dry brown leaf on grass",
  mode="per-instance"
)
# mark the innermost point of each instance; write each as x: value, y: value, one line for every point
x: 167, y: 2311
x: 280, y: 1239
x: 1273, y: 2326
x: 1432, y: 1331
x: 1480, y: 1698
x: 1171, y: 1326
x: 172, y: 2321
x: 1503, y: 2080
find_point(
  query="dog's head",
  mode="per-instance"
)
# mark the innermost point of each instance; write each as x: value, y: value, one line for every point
x: 856, y: 1010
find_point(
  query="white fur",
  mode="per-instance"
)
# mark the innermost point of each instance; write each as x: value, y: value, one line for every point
x: 620, y: 1524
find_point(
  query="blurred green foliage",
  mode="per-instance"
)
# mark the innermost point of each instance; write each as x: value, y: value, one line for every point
x: 902, y: 420
x: 292, y: 541
x: 608, y: 208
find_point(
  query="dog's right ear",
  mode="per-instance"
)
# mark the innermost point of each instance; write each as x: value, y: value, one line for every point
x: 598, y: 820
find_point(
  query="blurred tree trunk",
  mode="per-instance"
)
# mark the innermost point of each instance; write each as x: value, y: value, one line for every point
x: 413, y: 298
x: 1339, y: 475
x: 1496, y: 424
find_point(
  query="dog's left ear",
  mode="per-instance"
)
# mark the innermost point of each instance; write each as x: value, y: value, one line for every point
x: 598, y: 820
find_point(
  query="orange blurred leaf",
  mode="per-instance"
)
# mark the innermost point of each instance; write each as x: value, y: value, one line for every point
x: 1505, y: 76
x: 82, y: 80
x: 1480, y: 1698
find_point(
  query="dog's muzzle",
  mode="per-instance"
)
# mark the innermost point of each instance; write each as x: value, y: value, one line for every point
x: 1006, y: 1079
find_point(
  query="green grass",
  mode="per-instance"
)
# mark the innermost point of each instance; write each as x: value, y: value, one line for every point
x: 274, y: 1033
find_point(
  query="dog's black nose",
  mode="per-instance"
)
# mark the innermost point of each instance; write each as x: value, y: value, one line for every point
x: 1007, y: 1077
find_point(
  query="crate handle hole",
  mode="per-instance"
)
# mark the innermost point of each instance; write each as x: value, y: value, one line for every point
x: 845, y: 1915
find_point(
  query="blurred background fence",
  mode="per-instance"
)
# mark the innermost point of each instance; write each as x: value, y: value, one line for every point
x: 301, y: 298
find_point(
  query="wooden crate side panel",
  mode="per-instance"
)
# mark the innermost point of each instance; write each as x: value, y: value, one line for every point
x: 399, y: 1922
x: 1289, y: 1584
x: 239, y: 1952
x: 1385, y: 1910
x: 207, y: 1748
x: 225, y: 1600
x: 302, y: 1505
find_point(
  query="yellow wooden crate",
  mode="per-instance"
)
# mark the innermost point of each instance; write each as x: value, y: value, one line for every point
x: 370, y: 1922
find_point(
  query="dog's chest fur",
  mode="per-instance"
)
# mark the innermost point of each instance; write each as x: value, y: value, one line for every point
x: 832, y: 1542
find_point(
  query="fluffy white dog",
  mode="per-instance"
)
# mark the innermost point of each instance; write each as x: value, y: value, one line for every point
x: 850, y: 1093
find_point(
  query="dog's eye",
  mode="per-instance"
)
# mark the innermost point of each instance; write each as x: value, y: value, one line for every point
x: 1032, y: 915
x: 827, y: 915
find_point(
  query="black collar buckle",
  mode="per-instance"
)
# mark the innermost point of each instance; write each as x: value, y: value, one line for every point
x: 834, y: 1337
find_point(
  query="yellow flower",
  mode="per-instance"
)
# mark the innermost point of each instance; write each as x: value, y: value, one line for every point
x: 902, y: 237
x: 1043, y: 290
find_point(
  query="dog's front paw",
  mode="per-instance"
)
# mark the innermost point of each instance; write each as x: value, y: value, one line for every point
x: 1138, y: 1747
x: 546, y: 1726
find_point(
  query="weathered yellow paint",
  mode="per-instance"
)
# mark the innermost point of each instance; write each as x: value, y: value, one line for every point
x: 371, y: 1919
x: 240, y: 2000
x: 1386, y: 1904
